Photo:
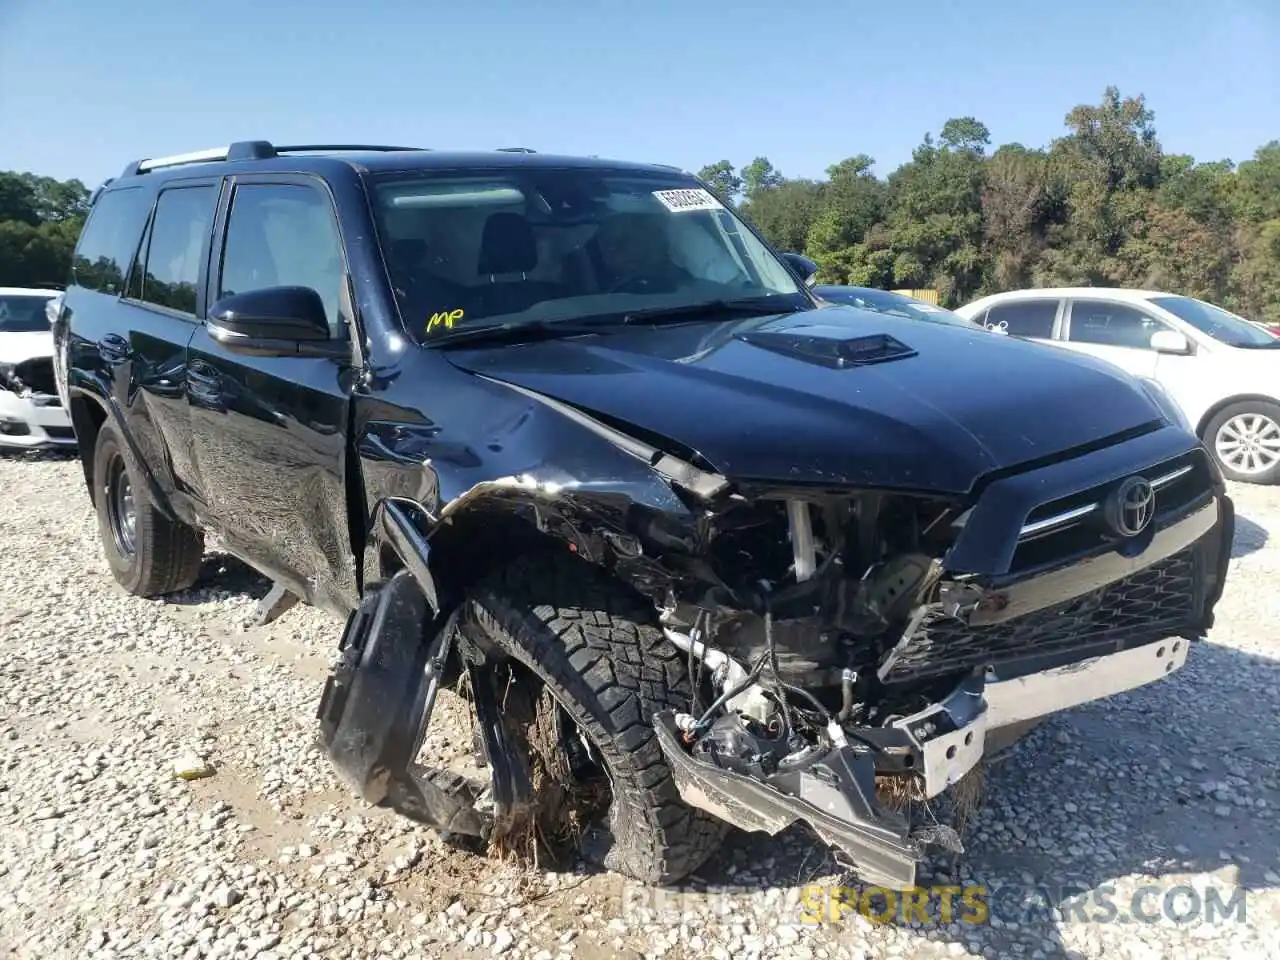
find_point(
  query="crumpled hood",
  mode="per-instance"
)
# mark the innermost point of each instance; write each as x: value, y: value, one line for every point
x: 790, y: 398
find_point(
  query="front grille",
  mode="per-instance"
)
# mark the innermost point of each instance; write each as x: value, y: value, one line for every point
x: 1152, y: 603
x: 1072, y: 526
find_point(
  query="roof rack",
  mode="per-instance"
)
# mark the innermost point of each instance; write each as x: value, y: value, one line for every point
x: 252, y: 150
x: 516, y: 150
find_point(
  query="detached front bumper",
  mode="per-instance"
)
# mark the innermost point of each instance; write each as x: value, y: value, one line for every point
x: 835, y: 793
x: 34, y: 421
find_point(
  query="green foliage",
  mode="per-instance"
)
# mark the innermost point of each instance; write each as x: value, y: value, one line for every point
x: 1102, y: 204
x: 40, y: 220
x: 722, y: 180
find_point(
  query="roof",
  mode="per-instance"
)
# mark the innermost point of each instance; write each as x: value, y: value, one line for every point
x: 1114, y: 293
x: 261, y: 155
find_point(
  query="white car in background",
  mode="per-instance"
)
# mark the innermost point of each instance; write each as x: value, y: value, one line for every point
x: 32, y: 414
x: 1222, y: 370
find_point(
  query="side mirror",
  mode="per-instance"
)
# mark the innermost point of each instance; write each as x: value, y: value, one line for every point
x: 805, y: 268
x: 1170, y: 341
x: 274, y: 321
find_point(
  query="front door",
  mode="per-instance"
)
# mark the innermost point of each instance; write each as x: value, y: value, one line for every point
x: 269, y: 433
x: 1117, y: 332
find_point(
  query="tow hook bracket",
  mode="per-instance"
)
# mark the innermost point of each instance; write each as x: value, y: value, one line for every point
x: 834, y: 793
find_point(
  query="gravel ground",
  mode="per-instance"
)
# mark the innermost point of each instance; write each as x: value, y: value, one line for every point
x: 1165, y: 799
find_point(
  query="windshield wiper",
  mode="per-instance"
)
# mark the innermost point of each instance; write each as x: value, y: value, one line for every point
x: 514, y: 331
x: 528, y: 331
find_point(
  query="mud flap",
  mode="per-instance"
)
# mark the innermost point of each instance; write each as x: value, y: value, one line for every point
x: 835, y: 795
x: 378, y: 698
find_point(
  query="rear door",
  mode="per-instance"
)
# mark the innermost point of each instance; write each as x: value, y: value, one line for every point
x: 131, y: 309
x: 1031, y: 318
x: 1114, y: 331
x: 270, y: 432
x: 163, y: 299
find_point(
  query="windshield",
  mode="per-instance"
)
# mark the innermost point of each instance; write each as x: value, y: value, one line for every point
x: 538, y: 245
x: 1217, y: 323
x: 893, y: 304
x: 23, y: 313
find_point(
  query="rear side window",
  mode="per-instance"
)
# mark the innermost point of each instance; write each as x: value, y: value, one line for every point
x: 283, y: 235
x: 109, y: 240
x: 176, y: 246
x: 1027, y: 318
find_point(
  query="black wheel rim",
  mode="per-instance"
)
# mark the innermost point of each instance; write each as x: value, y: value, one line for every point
x: 121, y: 512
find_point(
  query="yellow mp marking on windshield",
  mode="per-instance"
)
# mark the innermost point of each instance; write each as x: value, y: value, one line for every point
x: 445, y: 320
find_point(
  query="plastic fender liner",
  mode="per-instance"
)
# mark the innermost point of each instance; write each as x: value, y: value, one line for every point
x: 393, y: 525
x: 377, y: 699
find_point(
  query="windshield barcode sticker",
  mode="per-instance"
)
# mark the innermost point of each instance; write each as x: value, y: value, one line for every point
x: 685, y: 201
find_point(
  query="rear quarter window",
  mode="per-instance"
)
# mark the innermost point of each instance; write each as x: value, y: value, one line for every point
x: 1026, y: 318
x: 109, y: 240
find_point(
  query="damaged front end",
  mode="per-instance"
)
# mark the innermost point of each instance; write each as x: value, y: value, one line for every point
x: 855, y: 659
x: 849, y: 649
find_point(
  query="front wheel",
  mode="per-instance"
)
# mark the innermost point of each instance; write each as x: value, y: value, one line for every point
x: 1245, y: 440
x: 595, y: 652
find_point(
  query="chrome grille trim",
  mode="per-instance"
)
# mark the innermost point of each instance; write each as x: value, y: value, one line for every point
x: 1076, y: 513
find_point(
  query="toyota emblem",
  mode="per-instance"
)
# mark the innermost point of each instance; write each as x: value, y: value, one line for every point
x: 1132, y: 506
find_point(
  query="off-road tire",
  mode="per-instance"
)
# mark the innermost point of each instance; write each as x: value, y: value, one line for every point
x: 596, y: 647
x: 167, y: 553
x: 1260, y: 407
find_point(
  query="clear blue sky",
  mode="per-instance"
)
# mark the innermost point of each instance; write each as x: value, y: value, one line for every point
x: 83, y: 89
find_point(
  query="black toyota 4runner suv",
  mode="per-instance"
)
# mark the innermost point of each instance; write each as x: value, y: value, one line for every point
x: 565, y: 436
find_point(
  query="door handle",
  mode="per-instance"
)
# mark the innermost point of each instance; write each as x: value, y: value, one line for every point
x: 113, y: 348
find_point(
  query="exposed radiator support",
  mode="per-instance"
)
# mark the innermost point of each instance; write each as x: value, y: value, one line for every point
x: 806, y: 557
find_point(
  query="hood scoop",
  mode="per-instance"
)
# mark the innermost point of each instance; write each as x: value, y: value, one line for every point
x: 831, y: 346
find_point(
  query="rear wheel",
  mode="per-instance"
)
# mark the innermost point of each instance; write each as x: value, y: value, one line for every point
x: 1245, y: 440
x: 596, y: 670
x: 149, y: 554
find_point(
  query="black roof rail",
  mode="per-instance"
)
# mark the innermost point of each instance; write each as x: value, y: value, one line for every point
x: 516, y: 150
x: 346, y: 148
x: 251, y: 150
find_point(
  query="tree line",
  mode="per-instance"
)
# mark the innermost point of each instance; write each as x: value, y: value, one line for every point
x: 40, y: 221
x: 1102, y: 205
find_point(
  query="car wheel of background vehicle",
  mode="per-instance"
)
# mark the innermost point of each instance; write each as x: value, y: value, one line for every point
x: 599, y: 655
x: 1245, y: 440
x: 149, y: 554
